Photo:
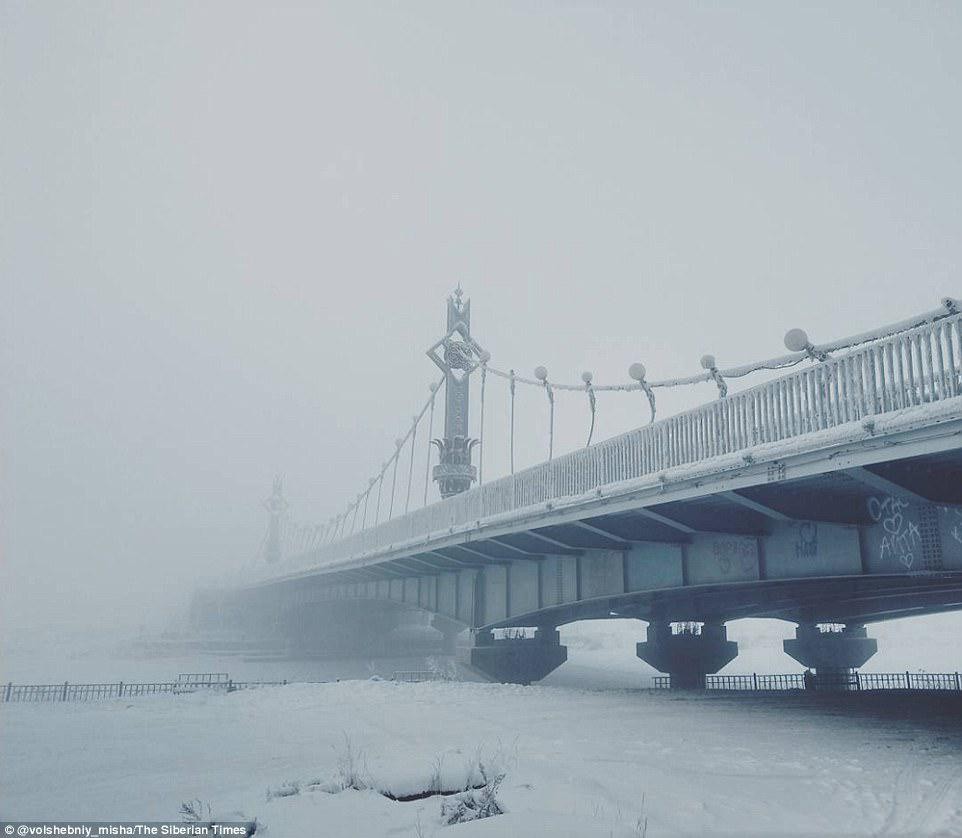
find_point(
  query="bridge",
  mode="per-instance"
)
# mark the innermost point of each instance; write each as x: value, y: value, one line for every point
x: 829, y: 495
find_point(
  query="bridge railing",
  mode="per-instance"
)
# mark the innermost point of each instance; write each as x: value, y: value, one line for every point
x: 915, y: 367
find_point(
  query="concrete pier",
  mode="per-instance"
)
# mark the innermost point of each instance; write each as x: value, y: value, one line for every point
x: 834, y: 655
x: 518, y: 660
x: 688, y: 655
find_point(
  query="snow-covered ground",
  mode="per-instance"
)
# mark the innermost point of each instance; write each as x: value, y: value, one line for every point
x: 577, y: 762
x: 587, y: 752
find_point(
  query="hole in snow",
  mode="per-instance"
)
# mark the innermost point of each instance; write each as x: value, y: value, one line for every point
x: 424, y: 795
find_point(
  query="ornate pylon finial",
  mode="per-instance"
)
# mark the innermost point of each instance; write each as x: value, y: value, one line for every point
x: 457, y: 355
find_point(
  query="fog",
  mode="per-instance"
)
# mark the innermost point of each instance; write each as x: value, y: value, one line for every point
x: 229, y: 230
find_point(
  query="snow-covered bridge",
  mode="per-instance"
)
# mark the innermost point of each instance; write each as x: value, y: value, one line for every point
x: 830, y: 495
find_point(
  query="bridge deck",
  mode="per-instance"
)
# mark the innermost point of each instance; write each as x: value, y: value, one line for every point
x: 832, y: 492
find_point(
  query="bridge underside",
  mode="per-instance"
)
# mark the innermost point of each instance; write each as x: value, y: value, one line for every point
x: 868, y: 533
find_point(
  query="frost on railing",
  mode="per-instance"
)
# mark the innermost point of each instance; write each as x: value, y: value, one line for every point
x: 912, y: 368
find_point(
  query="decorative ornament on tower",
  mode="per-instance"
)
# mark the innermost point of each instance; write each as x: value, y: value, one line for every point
x: 276, y: 505
x: 457, y: 355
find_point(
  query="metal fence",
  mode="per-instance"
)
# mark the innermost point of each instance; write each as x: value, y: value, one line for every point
x: 203, y: 678
x: 119, y: 689
x: 916, y: 367
x: 835, y: 682
x: 414, y: 676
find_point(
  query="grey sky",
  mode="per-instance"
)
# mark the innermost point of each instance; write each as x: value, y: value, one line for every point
x: 229, y: 228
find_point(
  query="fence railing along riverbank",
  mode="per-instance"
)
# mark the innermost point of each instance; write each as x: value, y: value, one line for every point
x: 119, y: 689
x: 189, y: 683
x: 841, y: 682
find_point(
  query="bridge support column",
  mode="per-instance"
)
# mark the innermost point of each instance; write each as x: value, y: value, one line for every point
x: 518, y: 660
x: 449, y: 631
x: 834, y: 655
x: 687, y: 655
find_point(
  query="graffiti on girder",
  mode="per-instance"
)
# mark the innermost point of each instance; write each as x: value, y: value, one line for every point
x: 902, y: 538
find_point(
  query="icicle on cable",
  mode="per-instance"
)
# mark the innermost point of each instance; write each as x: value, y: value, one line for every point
x: 586, y: 378
x: 708, y: 363
x: 541, y: 373
x: 637, y: 372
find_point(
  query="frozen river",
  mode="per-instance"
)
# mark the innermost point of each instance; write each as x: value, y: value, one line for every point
x: 575, y: 762
x: 600, y: 654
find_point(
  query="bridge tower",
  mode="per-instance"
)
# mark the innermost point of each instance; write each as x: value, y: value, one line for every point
x: 276, y: 506
x: 457, y: 355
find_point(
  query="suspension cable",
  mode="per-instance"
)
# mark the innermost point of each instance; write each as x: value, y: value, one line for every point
x: 397, y: 456
x: 357, y: 504
x: 427, y: 460
x: 948, y: 307
x: 484, y: 375
x: 414, y: 435
x: 380, y: 485
x: 512, y: 377
x: 367, y: 495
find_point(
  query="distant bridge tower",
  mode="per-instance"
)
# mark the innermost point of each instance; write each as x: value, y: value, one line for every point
x: 276, y: 505
x: 457, y: 355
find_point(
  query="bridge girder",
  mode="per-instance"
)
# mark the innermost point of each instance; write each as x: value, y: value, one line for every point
x: 664, y: 554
